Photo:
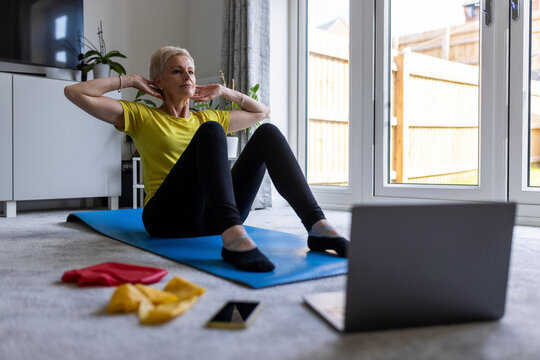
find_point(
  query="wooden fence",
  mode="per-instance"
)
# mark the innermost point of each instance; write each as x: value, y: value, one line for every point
x: 435, y: 106
x: 435, y: 120
x: 458, y: 44
x: 535, y: 122
x: 328, y: 108
x: 434, y: 100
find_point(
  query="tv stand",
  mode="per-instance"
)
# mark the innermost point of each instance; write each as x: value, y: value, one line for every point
x: 10, y: 209
x: 50, y: 149
x: 13, y: 67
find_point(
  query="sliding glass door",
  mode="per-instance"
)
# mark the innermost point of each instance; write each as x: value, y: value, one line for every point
x: 434, y: 100
x: 440, y: 115
x: 326, y: 132
x: 327, y: 135
x: 524, y: 174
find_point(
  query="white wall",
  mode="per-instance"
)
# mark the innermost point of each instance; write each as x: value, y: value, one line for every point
x: 204, y: 29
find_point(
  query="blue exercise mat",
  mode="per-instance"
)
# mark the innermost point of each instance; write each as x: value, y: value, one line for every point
x: 293, y: 260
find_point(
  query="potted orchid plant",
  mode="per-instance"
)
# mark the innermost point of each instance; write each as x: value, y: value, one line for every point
x: 99, y: 60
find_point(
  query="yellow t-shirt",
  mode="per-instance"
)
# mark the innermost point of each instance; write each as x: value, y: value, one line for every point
x: 161, y: 138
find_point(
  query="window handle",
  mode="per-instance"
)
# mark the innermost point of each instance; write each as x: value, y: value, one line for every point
x: 487, y: 12
x: 514, y: 8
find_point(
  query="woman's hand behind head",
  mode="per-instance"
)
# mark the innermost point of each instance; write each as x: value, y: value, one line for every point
x: 207, y: 92
x: 140, y: 83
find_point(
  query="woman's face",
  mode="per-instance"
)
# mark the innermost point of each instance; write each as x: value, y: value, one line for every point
x: 178, y: 78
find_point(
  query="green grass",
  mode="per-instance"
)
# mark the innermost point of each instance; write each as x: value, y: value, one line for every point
x: 473, y: 178
x: 470, y: 180
x: 534, y: 176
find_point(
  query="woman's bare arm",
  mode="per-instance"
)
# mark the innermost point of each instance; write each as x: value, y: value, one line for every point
x: 251, y: 111
x: 88, y: 96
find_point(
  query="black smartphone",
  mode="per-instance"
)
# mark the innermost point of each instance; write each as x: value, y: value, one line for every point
x: 235, y: 315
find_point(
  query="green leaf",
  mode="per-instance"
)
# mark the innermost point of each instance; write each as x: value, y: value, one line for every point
x: 201, y: 104
x: 118, y: 68
x: 94, y: 60
x: 92, y: 53
x: 150, y: 102
x: 114, y: 53
x: 139, y: 93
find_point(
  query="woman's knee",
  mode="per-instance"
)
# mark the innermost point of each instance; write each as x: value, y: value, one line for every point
x: 211, y: 129
x: 212, y: 126
x: 268, y: 130
x: 267, y: 127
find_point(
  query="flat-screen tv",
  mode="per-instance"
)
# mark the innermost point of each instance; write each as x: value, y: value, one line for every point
x: 41, y: 32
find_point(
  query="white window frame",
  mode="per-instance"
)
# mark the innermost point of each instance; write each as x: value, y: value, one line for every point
x: 335, y: 197
x: 498, y: 182
x: 519, y: 191
x: 493, y: 119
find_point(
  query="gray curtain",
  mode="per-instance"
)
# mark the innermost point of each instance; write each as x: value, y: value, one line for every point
x: 246, y: 59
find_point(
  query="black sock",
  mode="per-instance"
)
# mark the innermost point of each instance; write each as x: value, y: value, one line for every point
x: 250, y: 260
x: 320, y: 243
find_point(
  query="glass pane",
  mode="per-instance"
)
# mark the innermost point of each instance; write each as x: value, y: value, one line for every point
x: 328, y: 93
x: 534, y: 119
x: 434, y: 92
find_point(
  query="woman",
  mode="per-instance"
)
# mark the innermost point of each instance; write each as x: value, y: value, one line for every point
x: 191, y: 191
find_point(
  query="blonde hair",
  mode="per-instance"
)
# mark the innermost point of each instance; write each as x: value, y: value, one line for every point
x: 160, y: 57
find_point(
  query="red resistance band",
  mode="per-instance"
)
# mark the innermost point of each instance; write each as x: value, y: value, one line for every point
x: 113, y: 274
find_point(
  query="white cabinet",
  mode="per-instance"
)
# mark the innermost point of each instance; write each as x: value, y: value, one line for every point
x: 6, y: 141
x: 59, y: 151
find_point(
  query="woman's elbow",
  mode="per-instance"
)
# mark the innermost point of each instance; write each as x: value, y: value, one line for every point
x: 72, y: 94
x: 68, y: 92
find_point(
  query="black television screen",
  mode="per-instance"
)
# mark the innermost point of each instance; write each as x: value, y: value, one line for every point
x: 41, y: 32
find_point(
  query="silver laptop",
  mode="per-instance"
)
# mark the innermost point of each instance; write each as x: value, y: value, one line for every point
x: 420, y: 265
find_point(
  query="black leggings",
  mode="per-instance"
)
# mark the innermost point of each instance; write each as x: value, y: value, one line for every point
x: 202, y: 196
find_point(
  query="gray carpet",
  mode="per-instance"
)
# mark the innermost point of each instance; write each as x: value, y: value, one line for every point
x: 41, y: 318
